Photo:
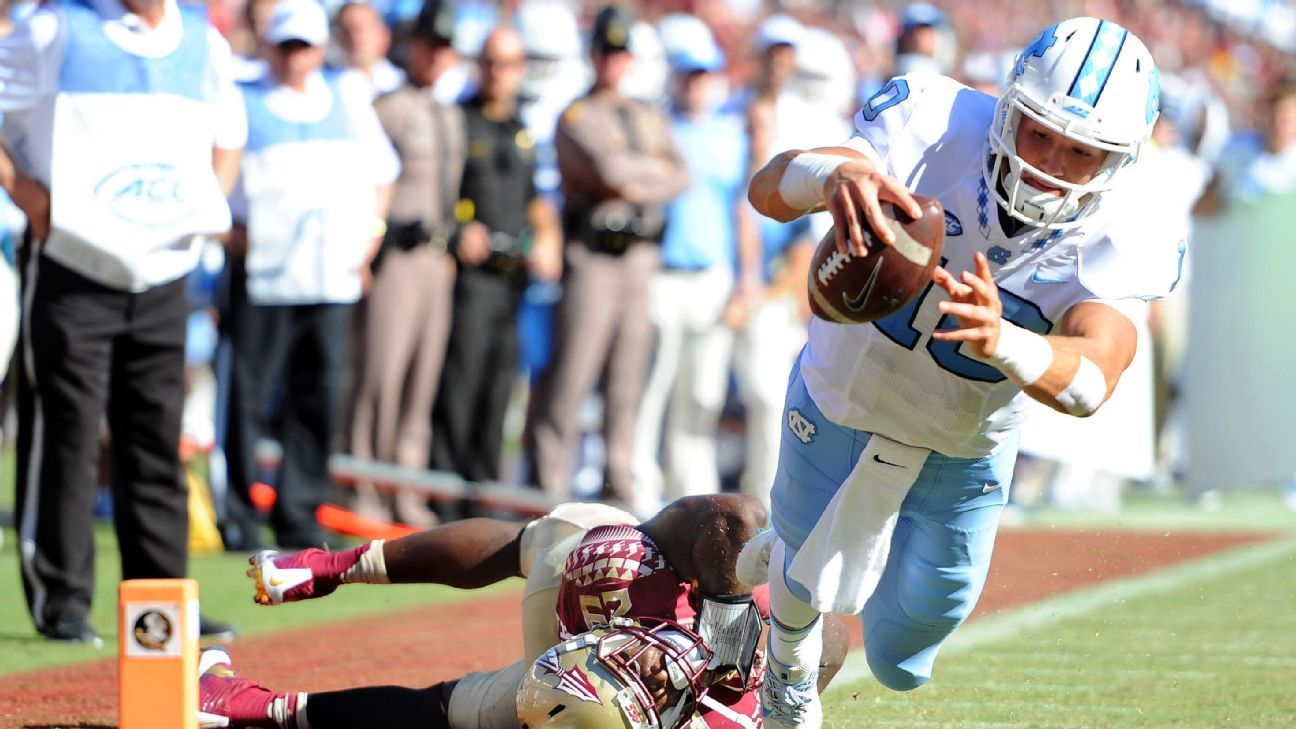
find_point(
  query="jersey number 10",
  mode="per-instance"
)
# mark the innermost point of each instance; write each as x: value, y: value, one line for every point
x: 899, y: 328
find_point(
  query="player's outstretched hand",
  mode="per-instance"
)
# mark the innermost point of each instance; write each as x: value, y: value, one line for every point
x: 975, y: 304
x: 303, y: 575
x: 854, y: 194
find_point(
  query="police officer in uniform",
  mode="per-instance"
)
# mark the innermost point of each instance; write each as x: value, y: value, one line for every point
x: 619, y: 169
x: 408, y: 313
x: 507, y: 231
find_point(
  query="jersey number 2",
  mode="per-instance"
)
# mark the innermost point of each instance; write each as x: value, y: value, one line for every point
x: 899, y: 328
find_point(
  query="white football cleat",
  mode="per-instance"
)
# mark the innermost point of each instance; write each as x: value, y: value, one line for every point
x: 789, y: 697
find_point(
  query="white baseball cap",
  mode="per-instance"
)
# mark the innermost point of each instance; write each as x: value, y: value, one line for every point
x: 777, y: 30
x: 301, y: 20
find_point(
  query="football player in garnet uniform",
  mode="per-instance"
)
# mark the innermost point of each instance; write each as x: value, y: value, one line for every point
x: 626, y: 624
x: 902, y: 432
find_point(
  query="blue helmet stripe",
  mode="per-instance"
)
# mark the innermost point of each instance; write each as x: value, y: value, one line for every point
x: 1098, y: 63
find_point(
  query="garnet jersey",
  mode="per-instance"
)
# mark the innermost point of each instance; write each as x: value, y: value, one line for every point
x: 615, y: 571
x: 889, y: 377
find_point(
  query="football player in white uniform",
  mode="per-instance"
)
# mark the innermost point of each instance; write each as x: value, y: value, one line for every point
x: 902, y: 432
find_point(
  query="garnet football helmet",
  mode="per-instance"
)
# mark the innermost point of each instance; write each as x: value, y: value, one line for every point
x: 1087, y: 79
x: 595, y: 680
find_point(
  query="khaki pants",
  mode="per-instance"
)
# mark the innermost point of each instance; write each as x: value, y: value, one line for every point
x: 407, y: 323
x: 602, y: 327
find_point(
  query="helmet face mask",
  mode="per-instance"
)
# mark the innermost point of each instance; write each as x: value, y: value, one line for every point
x: 1090, y: 81
x: 596, y: 679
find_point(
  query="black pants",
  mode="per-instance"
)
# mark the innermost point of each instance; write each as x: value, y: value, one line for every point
x: 88, y: 348
x: 480, y: 368
x: 288, y: 360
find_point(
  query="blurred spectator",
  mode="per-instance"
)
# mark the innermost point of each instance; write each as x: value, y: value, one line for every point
x: 773, y: 328
x: 364, y: 41
x: 556, y: 75
x: 249, y: 45
x: 1271, y: 168
x: 710, y: 230
x: 407, y: 316
x: 505, y: 228
x: 313, y: 196
x: 619, y: 169
x: 926, y: 41
x: 646, y: 78
x: 124, y: 123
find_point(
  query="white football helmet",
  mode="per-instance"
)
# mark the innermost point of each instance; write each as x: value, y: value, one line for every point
x: 595, y: 679
x: 1090, y: 80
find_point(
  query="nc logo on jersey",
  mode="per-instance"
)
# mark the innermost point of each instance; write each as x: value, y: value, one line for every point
x: 998, y: 254
x: 801, y: 426
x: 151, y: 194
x: 952, y: 225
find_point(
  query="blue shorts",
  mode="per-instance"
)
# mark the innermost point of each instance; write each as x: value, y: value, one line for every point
x: 940, y: 552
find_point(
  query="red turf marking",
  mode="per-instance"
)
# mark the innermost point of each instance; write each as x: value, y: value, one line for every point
x: 425, y: 645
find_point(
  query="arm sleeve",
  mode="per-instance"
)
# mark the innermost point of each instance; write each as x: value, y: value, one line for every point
x: 883, y: 119
x: 29, y: 61
x: 231, y: 117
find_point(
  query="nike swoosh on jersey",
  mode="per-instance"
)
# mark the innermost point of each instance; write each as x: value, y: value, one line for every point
x: 989, y: 488
x: 1055, y: 279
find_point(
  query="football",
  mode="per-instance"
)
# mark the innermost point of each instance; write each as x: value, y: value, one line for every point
x: 846, y: 289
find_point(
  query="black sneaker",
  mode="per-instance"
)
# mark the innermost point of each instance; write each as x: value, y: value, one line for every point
x: 214, y: 632
x: 72, y: 628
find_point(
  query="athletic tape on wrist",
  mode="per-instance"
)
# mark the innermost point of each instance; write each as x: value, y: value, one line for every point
x: 371, y: 567
x: 1087, y: 390
x: 801, y: 186
x: 1021, y: 354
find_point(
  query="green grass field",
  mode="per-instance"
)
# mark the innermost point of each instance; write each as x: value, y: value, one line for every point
x: 1206, y: 643
x: 1209, y: 643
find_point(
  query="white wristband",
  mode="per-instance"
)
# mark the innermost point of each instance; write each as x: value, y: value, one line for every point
x: 1021, y: 354
x: 1087, y: 390
x: 801, y: 186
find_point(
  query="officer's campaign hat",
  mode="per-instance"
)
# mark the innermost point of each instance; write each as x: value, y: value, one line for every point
x: 612, y: 29
x: 435, y: 23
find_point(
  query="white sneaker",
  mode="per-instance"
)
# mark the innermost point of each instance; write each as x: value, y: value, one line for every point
x: 789, y: 697
x: 753, y: 561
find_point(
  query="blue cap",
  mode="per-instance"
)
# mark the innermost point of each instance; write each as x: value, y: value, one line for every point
x: 694, y: 58
x: 920, y: 14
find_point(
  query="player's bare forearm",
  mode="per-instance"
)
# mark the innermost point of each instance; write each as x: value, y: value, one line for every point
x: 1096, y: 332
x: 763, y: 191
x: 1073, y: 372
x: 465, y: 554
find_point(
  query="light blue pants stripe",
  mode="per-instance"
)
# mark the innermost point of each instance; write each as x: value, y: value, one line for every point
x: 941, y: 549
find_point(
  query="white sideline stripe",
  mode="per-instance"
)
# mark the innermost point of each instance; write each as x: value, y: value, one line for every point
x: 1014, y: 622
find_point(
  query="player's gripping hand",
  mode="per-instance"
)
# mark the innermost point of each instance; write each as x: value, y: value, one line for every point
x: 853, y: 194
x: 310, y: 573
x: 975, y: 305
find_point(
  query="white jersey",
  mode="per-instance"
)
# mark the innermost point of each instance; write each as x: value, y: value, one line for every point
x: 890, y: 377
